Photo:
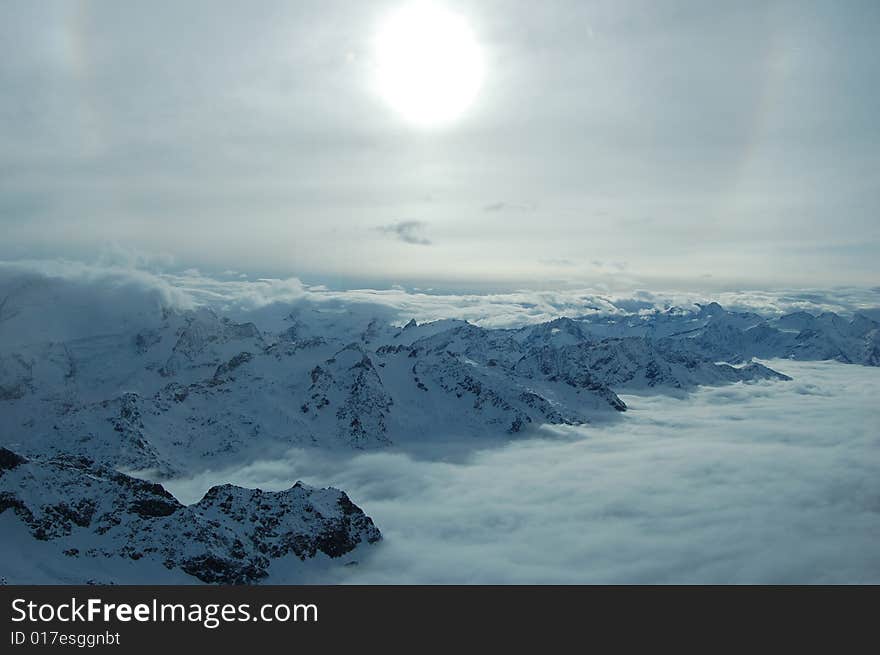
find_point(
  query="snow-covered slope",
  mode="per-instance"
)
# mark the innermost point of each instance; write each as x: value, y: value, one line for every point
x: 712, y: 332
x: 636, y: 363
x: 231, y: 536
x: 197, y: 390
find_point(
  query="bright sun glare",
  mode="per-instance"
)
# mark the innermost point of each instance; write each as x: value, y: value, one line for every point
x: 429, y: 65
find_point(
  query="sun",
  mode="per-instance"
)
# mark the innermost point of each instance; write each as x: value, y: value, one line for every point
x: 429, y: 66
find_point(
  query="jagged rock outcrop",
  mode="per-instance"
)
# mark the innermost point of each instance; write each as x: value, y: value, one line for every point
x: 231, y: 536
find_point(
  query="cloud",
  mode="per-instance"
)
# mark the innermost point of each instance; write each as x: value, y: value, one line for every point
x: 58, y: 297
x: 760, y: 483
x: 556, y: 262
x: 61, y: 301
x: 508, y: 206
x: 408, y: 232
x: 609, y: 267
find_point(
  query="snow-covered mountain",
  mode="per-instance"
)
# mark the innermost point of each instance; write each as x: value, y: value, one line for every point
x: 200, y: 390
x: 192, y: 389
x: 231, y: 536
x: 712, y: 332
x: 636, y: 363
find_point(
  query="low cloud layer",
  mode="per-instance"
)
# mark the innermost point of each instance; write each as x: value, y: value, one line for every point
x: 56, y: 300
x: 773, y: 483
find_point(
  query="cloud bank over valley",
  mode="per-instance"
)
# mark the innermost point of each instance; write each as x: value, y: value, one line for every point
x: 752, y: 483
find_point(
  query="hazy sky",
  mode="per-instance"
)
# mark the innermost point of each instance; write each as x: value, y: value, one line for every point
x: 689, y: 143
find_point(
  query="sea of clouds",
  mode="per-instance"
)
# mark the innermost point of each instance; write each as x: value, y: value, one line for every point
x: 774, y: 482
x: 766, y: 482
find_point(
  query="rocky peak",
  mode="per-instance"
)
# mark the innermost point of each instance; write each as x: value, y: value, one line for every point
x: 230, y: 536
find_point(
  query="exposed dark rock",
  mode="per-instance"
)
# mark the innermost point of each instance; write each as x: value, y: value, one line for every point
x: 9, y: 460
x: 230, y: 536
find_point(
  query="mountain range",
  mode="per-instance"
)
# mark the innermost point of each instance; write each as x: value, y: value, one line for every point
x: 196, y: 390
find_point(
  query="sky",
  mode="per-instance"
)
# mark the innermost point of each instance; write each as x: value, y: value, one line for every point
x: 677, y: 144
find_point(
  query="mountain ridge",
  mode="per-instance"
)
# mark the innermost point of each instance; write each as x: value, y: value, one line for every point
x: 231, y: 536
x: 200, y: 389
